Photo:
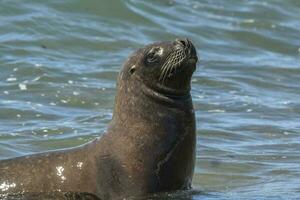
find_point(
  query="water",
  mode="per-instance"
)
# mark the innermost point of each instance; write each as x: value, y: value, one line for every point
x: 59, y: 61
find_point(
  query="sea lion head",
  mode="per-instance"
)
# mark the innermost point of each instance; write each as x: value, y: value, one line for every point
x: 164, y: 67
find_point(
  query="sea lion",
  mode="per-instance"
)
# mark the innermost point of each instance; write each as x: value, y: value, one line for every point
x: 149, y: 145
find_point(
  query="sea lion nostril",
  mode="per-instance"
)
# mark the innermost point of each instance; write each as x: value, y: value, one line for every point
x: 182, y: 42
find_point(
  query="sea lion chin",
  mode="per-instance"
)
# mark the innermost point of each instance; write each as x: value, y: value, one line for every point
x: 149, y: 145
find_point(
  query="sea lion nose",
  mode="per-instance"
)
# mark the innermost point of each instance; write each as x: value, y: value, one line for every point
x: 183, y: 42
x: 187, y: 46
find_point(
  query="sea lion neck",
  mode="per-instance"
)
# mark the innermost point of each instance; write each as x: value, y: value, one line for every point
x: 134, y: 106
x: 163, y: 95
x: 136, y: 94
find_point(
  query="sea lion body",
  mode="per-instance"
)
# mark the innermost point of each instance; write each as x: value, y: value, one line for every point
x: 149, y: 145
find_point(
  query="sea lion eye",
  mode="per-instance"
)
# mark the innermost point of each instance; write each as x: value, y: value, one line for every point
x: 153, y: 55
x: 132, y: 69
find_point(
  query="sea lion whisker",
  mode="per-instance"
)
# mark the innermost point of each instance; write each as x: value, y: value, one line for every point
x: 165, y: 66
x: 172, y: 63
x: 166, y: 72
x: 162, y: 75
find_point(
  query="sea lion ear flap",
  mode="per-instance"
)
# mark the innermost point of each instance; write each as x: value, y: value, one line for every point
x: 132, y: 69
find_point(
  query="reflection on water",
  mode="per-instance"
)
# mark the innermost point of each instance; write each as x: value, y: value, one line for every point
x: 59, y: 62
x: 51, y: 196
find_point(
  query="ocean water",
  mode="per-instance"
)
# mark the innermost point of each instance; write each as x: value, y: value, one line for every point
x: 59, y: 61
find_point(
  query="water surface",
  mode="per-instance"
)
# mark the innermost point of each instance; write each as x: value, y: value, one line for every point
x: 59, y: 61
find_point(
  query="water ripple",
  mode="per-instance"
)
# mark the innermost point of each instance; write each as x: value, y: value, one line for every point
x: 59, y: 63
